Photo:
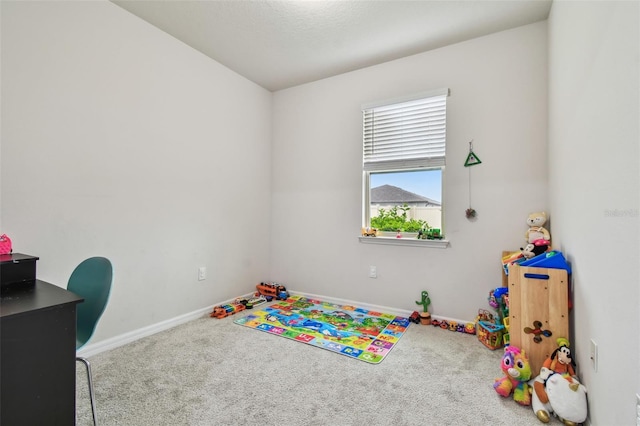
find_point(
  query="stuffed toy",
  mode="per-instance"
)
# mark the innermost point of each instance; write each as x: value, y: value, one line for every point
x: 517, y: 370
x: 536, y: 229
x: 561, y: 362
x: 534, y: 249
x: 566, y: 399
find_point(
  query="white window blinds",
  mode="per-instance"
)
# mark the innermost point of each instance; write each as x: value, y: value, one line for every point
x: 406, y: 134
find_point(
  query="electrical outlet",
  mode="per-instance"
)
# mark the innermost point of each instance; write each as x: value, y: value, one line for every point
x: 593, y: 355
x: 373, y: 272
x: 202, y: 273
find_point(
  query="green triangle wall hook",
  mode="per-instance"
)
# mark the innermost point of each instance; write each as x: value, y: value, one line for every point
x: 472, y: 158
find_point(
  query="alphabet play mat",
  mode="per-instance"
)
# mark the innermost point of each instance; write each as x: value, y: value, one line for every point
x: 348, y: 330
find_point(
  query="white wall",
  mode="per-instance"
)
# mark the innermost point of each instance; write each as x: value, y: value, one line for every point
x: 498, y: 98
x: 594, y: 190
x: 118, y: 140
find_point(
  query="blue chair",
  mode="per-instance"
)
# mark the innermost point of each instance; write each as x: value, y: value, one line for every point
x: 91, y: 280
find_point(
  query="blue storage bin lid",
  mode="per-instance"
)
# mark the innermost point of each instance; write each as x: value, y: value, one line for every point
x: 553, y: 259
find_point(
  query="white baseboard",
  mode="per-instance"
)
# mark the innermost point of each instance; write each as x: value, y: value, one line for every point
x: 338, y: 301
x: 131, y: 336
x: 117, y: 341
x: 387, y: 309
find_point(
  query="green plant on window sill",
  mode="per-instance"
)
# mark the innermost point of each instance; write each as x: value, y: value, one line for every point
x: 395, y: 219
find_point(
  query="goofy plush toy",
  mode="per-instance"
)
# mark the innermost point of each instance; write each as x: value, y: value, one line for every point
x: 557, y: 389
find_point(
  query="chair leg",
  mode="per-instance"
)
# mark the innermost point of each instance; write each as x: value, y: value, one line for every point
x: 93, y: 401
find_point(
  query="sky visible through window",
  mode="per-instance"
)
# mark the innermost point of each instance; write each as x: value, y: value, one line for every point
x: 427, y: 183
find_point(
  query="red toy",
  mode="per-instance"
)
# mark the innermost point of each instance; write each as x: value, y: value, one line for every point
x: 273, y: 289
x: 222, y: 311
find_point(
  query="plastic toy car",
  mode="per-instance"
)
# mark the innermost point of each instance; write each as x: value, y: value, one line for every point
x: 273, y: 289
x: 434, y: 234
x: 222, y: 311
x: 250, y: 302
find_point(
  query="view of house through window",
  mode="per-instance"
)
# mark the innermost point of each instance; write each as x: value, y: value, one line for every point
x: 414, y: 197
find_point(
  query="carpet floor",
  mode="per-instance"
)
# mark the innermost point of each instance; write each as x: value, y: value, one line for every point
x: 214, y: 372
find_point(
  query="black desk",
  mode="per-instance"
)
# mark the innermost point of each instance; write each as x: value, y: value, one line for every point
x: 37, y: 355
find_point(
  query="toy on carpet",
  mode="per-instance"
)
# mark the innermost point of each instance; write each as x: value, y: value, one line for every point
x: 255, y: 300
x: 490, y: 334
x: 273, y: 289
x: 425, y: 316
x: 492, y: 331
x: 222, y: 311
x: 567, y: 400
x: 557, y: 389
x: 469, y: 327
x: 517, y: 370
x: 536, y: 229
x: 359, y: 333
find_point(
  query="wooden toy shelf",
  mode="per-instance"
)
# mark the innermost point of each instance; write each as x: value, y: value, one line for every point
x: 538, y: 311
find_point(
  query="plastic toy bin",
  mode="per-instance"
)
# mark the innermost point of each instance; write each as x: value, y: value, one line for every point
x: 490, y: 334
x: 538, y: 311
x: 552, y: 259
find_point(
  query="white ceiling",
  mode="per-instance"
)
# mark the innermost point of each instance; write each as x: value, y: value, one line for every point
x: 280, y: 44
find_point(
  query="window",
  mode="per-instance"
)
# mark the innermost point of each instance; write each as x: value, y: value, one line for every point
x: 404, y: 145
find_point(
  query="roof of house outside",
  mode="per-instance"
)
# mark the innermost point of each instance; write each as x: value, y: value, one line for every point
x: 389, y: 194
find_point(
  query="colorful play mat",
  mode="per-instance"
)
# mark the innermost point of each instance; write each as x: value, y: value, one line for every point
x: 348, y: 330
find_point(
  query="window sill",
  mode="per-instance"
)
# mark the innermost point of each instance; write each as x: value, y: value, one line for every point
x: 393, y: 241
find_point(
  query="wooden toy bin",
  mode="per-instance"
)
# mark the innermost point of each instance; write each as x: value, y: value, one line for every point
x: 538, y: 311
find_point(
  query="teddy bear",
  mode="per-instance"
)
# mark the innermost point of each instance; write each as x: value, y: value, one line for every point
x: 517, y: 373
x: 536, y: 229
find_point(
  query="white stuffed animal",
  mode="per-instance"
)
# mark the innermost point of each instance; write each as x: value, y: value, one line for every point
x: 567, y: 398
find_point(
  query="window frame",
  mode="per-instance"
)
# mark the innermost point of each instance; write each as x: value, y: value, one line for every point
x: 393, y: 166
x: 366, y: 209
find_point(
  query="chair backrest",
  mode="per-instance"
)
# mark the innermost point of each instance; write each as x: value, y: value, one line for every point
x: 90, y: 280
